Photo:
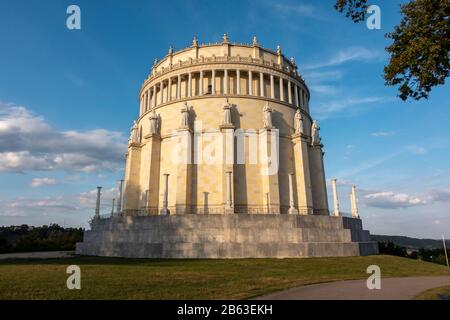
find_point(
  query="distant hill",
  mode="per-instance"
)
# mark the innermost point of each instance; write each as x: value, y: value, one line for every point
x: 411, y: 243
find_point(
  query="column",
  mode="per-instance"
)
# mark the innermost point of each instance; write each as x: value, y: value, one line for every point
x: 318, y: 182
x: 154, y: 96
x: 272, y: 87
x: 353, y: 203
x: 250, y: 83
x: 335, y: 198
x: 161, y: 90
x: 238, y: 81
x: 229, y: 206
x: 213, y: 81
x: 183, y: 177
x: 112, y: 207
x: 165, y: 210
x: 289, y: 92
x: 269, y: 161
x: 169, y: 90
x: 281, y: 90
x: 189, y: 93
x: 225, y: 81
x: 292, y: 209
x: 141, y: 104
x: 200, y: 89
x: 261, y: 84
x: 119, y: 200
x: 296, y: 95
x: 179, y: 87
x: 97, y: 204
x: 129, y: 204
x: 227, y: 167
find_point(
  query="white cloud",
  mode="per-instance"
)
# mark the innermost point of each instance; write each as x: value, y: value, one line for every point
x: 332, y: 75
x: 38, y: 182
x: 303, y: 10
x: 383, y: 134
x: 327, y: 109
x: 29, y: 143
x: 323, y: 89
x: 391, y: 200
x: 347, y: 55
x: 415, y: 149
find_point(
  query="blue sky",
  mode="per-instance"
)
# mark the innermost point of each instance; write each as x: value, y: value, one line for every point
x: 68, y: 97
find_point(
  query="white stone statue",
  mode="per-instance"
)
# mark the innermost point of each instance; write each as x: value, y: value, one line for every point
x: 315, y: 133
x: 134, y: 133
x: 298, y: 122
x: 227, y: 114
x: 278, y: 50
x: 255, y: 41
x: 195, y: 42
x: 154, y: 123
x: 185, y: 116
x: 267, y: 116
x: 225, y: 38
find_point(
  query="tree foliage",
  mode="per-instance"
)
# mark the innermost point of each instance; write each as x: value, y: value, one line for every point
x: 419, y: 53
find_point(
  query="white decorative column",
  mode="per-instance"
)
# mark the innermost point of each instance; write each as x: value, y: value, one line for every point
x: 272, y: 87
x: 225, y: 81
x: 296, y: 95
x: 179, y: 87
x: 119, y: 200
x: 213, y: 81
x: 165, y: 210
x: 289, y: 92
x: 250, y: 83
x: 238, y: 81
x: 161, y: 90
x: 154, y: 97
x: 169, y: 90
x: 200, y: 88
x: 189, y: 93
x: 335, y: 198
x: 261, y: 84
x: 353, y: 203
x: 281, y: 90
x: 97, y: 203
x: 229, y: 205
x: 292, y: 209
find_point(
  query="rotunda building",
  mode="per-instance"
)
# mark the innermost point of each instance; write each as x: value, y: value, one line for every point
x: 224, y: 90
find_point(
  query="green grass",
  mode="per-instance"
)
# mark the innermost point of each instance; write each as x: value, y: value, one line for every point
x: 433, y: 294
x: 115, y: 278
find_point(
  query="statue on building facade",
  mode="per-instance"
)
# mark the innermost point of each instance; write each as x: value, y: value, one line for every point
x: 227, y: 114
x: 154, y: 123
x: 185, y: 115
x: 267, y: 117
x: 255, y: 41
x: 315, y: 134
x: 134, y: 133
x: 298, y: 122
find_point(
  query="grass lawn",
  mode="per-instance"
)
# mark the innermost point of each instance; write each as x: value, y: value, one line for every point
x: 435, y: 294
x: 116, y: 278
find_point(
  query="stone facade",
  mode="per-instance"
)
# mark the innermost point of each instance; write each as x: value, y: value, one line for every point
x: 224, y: 130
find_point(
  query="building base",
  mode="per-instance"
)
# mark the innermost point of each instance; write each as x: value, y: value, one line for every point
x: 227, y: 236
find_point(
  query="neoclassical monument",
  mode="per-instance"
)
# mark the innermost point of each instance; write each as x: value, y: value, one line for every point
x: 224, y: 160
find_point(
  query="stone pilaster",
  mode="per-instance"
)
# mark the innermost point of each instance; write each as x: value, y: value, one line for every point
x: 318, y: 183
x: 132, y: 170
x: 269, y: 161
x: 302, y: 174
x: 227, y: 168
x: 184, y: 172
x: 151, y: 163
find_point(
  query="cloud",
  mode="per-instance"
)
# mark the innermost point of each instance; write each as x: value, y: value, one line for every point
x: 418, y: 150
x: 346, y: 55
x: 39, y: 182
x: 82, y: 202
x: 436, y: 195
x: 322, y: 75
x: 391, y: 200
x: 383, y: 134
x: 329, y: 108
x: 302, y: 10
x: 324, y: 89
x: 29, y: 143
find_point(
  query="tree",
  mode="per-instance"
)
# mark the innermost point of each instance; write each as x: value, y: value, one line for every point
x: 419, y: 53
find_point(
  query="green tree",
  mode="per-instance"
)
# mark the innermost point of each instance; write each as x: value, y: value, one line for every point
x: 419, y: 53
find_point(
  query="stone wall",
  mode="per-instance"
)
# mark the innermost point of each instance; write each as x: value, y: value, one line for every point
x: 227, y: 236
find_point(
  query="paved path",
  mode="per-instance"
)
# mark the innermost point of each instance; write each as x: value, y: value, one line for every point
x: 391, y: 289
x: 37, y: 255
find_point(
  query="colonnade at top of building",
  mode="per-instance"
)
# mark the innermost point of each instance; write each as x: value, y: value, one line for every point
x: 216, y: 82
